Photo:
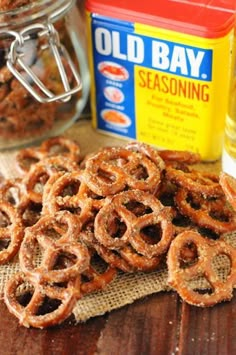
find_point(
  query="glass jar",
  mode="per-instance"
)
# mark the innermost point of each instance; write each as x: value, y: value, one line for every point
x: 44, y: 77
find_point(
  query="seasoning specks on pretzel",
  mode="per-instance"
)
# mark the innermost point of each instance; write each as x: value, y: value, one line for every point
x: 53, y: 146
x: 228, y: 184
x: 55, y: 236
x: 137, y: 218
x: 212, y: 213
x: 204, y: 183
x: 125, y: 208
x: 11, y: 231
x: 32, y: 313
x: 113, y: 169
x: 182, y: 276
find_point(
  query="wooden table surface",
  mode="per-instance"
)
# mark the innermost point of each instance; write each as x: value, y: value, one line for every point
x: 158, y: 324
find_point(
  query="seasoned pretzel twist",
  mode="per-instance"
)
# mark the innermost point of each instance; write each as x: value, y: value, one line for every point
x: 202, y: 265
x: 29, y: 314
x: 70, y: 192
x: 27, y: 157
x: 11, y: 190
x: 55, y: 236
x: 212, y: 213
x: 11, y: 231
x: 52, y: 147
x: 228, y: 184
x: 136, y: 211
x: 148, y: 151
x: 61, y: 146
x: 113, y: 169
x: 206, y: 184
x: 39, y: 173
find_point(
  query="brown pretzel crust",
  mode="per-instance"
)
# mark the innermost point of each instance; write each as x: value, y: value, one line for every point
x: 180, y: 277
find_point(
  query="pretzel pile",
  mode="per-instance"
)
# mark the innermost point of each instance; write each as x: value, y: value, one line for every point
x: 75, y: 221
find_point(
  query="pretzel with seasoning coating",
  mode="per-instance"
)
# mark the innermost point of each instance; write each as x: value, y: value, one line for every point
x: 56, y: 236
x: 6, y: 5
x: 26, y: 157
x: 11, y: 231
x: 61, y: 146
x: 113, y: 258
x: 208, y: 213
x: 228, y: 184
x: 179, y: 156
x: 29, y: 314
x: 40, y: 173
x: 128, y: 260
x: 29, y: 211
x: 140, y: 262
x: 148, y: 151
x: 94, y: 279
x: 5, y: 73
x: 11, y: 190
x: 70, y: 192
x: 138, y: 213
x: 180, y: 277
x: 53, y: 146
x: 111, y: 170
x: 206, y: 184
x: 125, y: 259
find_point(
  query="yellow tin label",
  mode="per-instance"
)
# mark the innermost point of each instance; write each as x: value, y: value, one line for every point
x: 158, y: 86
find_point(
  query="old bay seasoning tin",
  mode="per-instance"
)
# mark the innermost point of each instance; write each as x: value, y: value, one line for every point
x: 161, y: 71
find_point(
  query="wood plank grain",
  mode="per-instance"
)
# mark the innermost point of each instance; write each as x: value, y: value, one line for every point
x: 208, y: 331
x: 149, y: 326
x: 66, y: 339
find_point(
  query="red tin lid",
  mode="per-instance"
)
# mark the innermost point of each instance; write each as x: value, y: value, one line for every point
x: 205, y: 18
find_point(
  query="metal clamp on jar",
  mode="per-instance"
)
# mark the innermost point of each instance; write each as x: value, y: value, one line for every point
x: 44, y: 79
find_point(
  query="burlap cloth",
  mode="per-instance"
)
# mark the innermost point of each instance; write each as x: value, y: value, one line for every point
x: 126, y: 288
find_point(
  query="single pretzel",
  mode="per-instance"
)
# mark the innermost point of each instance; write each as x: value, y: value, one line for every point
x: 30, y: 315
x: 228, y: 184
x: 70, y: 192
x: 39, y: 173
x: 209, y: 213
x: 11, y: 231
x: 11, y: 190
x: 136, y: 212
x: 206, y: 184
x: 148, y: 151
x: 26, y: 157
x: 180, y: 277
x: 61, y: 146
x: 113, y: 169
x: 56, y: 236
x: 179, y: 156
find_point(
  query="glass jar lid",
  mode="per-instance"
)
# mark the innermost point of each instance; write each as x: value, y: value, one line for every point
x: 36, y: 20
